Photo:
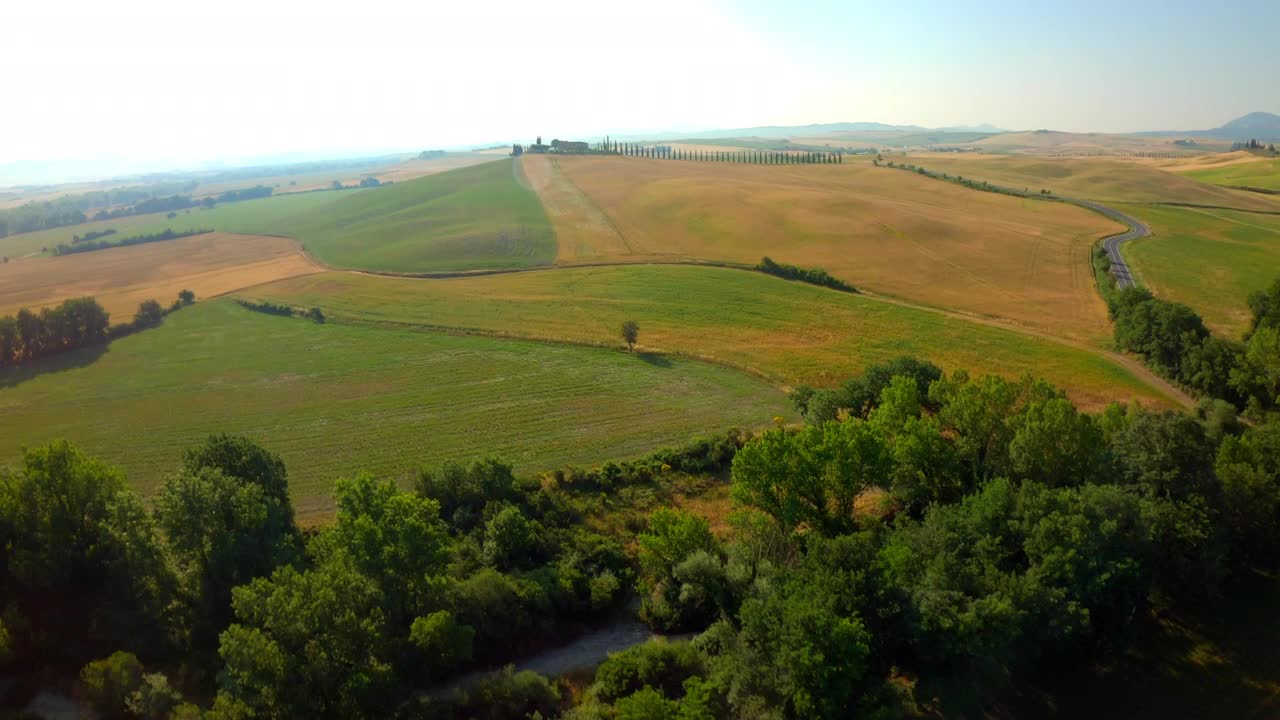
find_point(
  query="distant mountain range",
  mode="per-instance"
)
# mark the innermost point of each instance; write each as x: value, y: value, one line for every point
x: 1261, y: 126
x: 787, y: 131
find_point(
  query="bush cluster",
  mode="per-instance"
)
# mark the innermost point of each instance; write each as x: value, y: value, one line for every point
x: 87, y: 245
x: 813, y: 276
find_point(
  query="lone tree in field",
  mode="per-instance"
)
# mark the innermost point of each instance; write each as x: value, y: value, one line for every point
x: 186, y: 297
x: 630, y: 333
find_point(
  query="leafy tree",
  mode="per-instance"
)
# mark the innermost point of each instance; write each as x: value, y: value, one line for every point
x: 308, y: 644
x: 186, y: 297
x: 79, y: 565
x: 673, y: 538
x: 657, y: 663
x: 154, y: 699
x: 1258, y: 372
x: 1055, y: 445
x: 630, y: 333
x: 984, y: 415
x: 860, y: 395
x: 239, y: 457
x: 395, y: 539
x: 149, y: 314
x: 106, y: 684
x: 442, y: 639
x: 1249, y: 468
x: 509, y: 540
x: 646, y: 704
x: 222, y: 533
x: 463, y: 490
x: 811, y: 478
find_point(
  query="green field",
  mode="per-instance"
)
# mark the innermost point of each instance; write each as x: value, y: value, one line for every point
x: 1209, y: 259
x: 1263, y: 174
x: 786, y: 331
x: 334, y: 399
x: 262, y: 216
x: 474, y: 218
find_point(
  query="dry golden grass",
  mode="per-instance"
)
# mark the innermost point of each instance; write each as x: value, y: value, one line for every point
x: 1104, y: 179
x: 583, y: 233
x: 121, y: 278
x: 1201, y: 162
x: 884, y: 230
x: 1065, y: 142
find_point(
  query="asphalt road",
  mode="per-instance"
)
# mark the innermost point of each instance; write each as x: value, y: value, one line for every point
x: 1137, y: 229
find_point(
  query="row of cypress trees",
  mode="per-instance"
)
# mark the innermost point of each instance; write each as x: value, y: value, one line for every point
x: 746, y: 157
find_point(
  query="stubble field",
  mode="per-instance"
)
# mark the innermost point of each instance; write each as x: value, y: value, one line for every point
x: 883, y: 230
x: 121, y: 278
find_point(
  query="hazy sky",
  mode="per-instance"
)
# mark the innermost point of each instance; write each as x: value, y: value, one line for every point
x: 179, y: 81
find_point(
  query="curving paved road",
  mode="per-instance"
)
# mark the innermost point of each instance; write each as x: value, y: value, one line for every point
x: 1137, y: 229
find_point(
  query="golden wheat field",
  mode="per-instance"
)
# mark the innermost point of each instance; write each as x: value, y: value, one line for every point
x: 1105, y: 179
x: 121, y: 278
x: 885, y: 231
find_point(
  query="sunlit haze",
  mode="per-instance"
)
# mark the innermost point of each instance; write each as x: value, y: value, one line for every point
x: 163, y: 82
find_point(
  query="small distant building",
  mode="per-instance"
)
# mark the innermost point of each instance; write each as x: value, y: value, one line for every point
x: 569, y: 146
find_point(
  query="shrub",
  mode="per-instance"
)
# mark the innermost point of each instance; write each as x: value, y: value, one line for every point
x: 657, y: 663
x: 813, y: 276
x: 107, y: 683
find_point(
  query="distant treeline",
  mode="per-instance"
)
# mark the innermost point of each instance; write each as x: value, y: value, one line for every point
x: 78, y: 323
x: 72, y: 209
x: 92, y: 235
x: 813, y: 276
x: 970, y: 183
x: 185, y: 202
x: 270, y: 308
x: 90, y: 246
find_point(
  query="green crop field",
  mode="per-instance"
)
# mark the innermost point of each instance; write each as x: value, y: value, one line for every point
x: 478, y: 217
x: 334, y: 399
x: 1263, y: 174
x: 1209, y: 259
x: 786, y: 331
x: 254, y: 217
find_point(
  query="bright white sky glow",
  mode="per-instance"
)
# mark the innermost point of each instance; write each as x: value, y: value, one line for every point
x: 158, y: 80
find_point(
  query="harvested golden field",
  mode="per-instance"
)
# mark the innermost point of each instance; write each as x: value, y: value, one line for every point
x: 1053, y: 141
x: 1103, y: 179
x: 583, y: 233
x: 883, y: 230
x: 121, y: 278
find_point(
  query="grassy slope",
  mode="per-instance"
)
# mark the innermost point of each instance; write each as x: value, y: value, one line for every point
x: 1208, y: 259
x: 478, y: 217
x: 263, y: 216
x: 1263, y: 174
x: 786, y: 331
x: 887, y: 231
x: 334, y: 399
x: 1093, y: 179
